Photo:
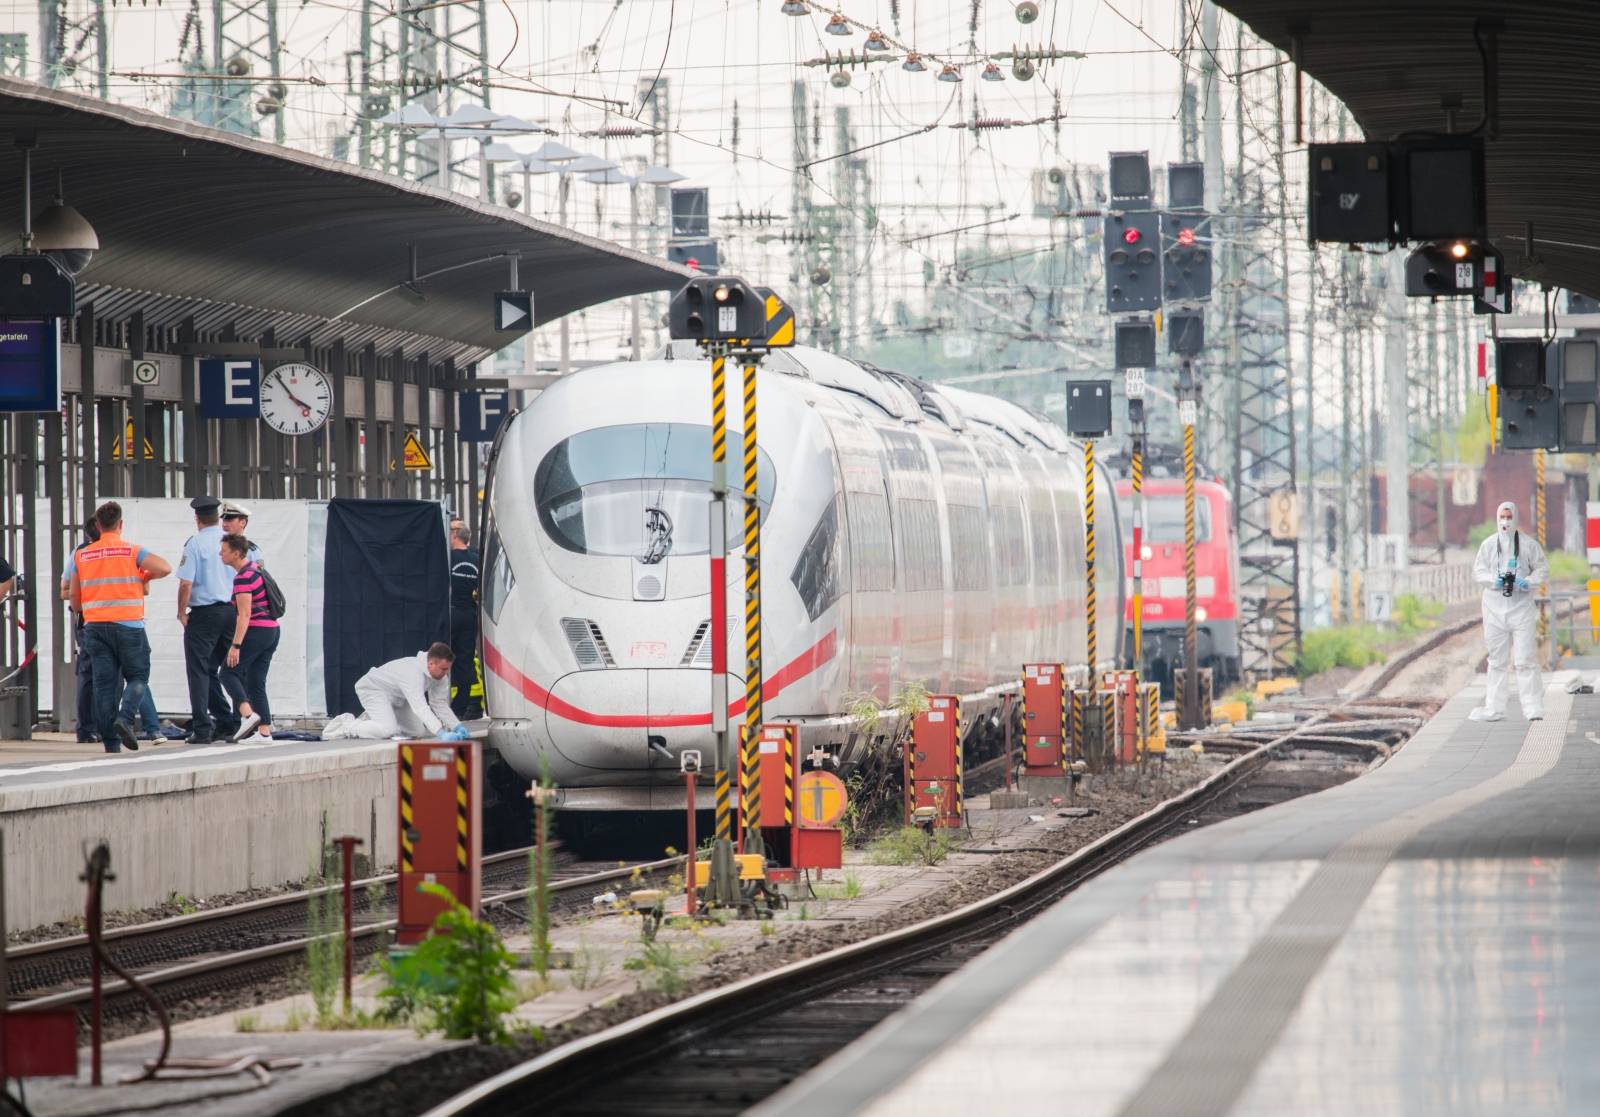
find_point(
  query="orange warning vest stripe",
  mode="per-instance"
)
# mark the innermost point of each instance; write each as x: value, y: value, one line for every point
x: 109, y: 580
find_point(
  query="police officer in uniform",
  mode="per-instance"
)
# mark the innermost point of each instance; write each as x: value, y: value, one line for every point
x: 464, y: 622
x: 206, y: 611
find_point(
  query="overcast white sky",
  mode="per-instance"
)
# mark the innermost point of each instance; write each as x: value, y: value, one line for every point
x: 718, y: 53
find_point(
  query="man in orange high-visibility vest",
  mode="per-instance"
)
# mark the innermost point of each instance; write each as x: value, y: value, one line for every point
x: 110, y: 578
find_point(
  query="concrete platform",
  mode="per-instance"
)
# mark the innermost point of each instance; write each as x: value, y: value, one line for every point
x: 1422, y: 940
x: 196, y: 820
x: 328, y: 1061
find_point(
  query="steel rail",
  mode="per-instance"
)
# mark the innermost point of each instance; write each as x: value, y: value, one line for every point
x: 257, y: 962
x: 656, y: 1034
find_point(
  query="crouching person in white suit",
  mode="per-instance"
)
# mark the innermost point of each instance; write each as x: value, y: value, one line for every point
x: 406, y: 697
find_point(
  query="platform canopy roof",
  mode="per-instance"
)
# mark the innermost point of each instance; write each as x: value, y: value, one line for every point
x: 197, y: 221
x: 1392, y: 61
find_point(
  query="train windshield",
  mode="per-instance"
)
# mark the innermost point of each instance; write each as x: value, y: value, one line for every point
x: 1163, y: 520
x: 639, y: 490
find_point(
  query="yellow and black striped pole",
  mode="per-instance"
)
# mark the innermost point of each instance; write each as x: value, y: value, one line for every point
x: 1089, y: 556
x: 1191, y: 659
x: 788, y: 775
x: 462, y: 834
x: 717, y: 631
x: 407, y: 812
x: 1066, y: 724
x: 750, y: 786
x: 961, y: 795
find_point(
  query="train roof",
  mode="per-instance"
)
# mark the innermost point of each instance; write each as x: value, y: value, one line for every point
x: 905, y: 397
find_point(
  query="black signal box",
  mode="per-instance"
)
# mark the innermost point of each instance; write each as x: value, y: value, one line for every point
x: 1136, y: 343
x: 1350, y: 193
x: 1519, y: 362
x: 717, y: 308
x: 1186, y: 332
x: 1441, y: 194
x: 1089, y: 408
x: 1133, y: 261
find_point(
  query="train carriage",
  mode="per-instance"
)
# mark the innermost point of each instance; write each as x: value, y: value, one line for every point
x: 1216, y: 579
x: 909, y: 534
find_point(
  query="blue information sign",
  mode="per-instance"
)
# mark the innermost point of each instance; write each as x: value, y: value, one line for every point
x: 230, y: 388
x: 30, y: 364
x: 480, y: 415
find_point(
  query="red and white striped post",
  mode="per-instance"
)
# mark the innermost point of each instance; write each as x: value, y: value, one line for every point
x: 1591, y: 511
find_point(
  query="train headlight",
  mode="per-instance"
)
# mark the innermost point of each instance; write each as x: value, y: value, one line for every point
x: 1145, y: 552
x: 1200, y: 613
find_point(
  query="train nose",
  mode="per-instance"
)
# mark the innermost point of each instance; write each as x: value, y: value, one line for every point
x: 625, y: 719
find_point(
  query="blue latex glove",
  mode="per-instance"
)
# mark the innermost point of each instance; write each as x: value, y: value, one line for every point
x: 1522, y: 584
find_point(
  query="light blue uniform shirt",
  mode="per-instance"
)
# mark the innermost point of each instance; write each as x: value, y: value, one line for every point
x: 202, y: 566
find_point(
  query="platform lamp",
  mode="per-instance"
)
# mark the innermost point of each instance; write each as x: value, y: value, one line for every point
x: 489, y: 136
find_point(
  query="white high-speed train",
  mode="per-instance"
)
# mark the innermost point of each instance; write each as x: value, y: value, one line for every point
x: 910, y: 533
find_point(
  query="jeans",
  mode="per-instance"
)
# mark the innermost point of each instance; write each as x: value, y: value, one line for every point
x: 248, y: 681
x: 87, y: 720
x: 206, y: 639
x: 117, y: 655
x: 464, y: 671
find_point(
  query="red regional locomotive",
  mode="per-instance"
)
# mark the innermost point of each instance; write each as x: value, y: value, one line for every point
x: 1216, y: 578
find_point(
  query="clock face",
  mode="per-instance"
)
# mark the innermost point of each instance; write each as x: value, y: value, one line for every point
x: 295, y: 398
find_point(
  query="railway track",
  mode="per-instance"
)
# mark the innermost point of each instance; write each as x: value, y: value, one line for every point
x: 724, y: 1050
x: 243, y: 945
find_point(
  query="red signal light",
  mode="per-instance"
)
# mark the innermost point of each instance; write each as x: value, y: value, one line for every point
x: 1130, y: 236
x: 1186, y: 237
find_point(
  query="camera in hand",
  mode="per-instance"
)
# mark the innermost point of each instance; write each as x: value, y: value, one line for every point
x: 1508, y: 583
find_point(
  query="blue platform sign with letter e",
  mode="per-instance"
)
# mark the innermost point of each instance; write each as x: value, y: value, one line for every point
x: 230, y: 388
x: 481, y: 414
x: 30, y: 365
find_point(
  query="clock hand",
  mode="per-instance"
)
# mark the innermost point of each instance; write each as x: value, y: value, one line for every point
x: 305, y: 408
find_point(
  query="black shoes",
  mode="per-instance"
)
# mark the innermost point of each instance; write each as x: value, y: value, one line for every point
x: 125, y: 735
x: 199, y: 739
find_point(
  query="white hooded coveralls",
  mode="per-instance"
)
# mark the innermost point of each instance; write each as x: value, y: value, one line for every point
x: 1509, y: 623
x: 400, y: 699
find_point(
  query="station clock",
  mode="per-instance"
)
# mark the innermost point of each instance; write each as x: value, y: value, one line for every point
x: 296, y: 398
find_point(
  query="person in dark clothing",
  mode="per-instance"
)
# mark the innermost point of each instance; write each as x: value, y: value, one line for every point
x: 464, y: 624
x: 86, y: 719
x: 206, y: 611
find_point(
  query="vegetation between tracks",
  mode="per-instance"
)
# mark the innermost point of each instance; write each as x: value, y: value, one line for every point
x: 1358, y: 645
x: 458, y: 979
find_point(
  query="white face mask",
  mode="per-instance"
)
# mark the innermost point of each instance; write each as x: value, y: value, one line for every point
x: 1505, y: 527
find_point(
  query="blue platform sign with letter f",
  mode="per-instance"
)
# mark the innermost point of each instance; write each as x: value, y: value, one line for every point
x: 481, y: 414
x: 230, y: 388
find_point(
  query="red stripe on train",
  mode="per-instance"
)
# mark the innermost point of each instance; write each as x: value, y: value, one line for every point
x: 792, y: 672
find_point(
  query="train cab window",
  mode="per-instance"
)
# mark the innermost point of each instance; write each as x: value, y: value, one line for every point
x: 498, y: 578
x: 636, y: 490
x: 816, y: 572
x: 1163, y: 519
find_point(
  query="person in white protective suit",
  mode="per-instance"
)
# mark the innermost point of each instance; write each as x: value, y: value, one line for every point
x: 406, y: 697
x: 1510, y: 567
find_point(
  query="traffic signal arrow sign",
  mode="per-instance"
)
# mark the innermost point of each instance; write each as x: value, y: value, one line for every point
x: 513, y: 311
